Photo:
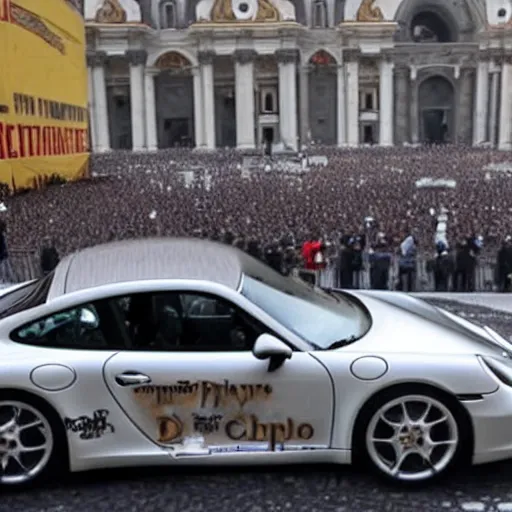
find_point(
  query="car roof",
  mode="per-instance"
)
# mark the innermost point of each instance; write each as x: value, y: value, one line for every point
x: 147, y: 259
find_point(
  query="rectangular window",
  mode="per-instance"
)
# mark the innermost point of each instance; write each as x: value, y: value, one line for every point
x: 368, y: 137
x: 186, y: 322
x: 368, y: 98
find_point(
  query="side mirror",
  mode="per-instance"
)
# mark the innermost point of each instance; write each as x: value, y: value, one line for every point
x: 88, y: 319
x: 269, y: 347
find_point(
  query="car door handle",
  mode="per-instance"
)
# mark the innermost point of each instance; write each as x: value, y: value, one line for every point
x: 132, y: 379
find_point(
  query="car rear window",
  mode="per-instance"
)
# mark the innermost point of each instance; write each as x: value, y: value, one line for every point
x: 26, y: 297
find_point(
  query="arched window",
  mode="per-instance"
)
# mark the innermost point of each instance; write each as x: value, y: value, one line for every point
x: 430, y: 27
x: 168, y: 14
x: 319, y: 14
x: 268, y: 100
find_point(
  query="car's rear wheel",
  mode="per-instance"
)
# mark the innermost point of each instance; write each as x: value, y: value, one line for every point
x: 29, y: 449
x: 412, y: 437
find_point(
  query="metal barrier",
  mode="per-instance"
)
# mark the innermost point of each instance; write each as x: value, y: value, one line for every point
x: 24, y: 264
x: 484, y: 275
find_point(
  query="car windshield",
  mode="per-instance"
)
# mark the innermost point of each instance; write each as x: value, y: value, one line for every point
x: 33, y: 294
x: 325, y: 319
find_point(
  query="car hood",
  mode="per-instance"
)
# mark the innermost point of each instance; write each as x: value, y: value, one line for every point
x: 408, y: 324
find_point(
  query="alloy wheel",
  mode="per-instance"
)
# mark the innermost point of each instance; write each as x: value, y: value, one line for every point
x: 26, y: 442
x: 412, y: 438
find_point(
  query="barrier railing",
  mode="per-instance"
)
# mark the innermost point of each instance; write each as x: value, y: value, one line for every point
x: 484, y: 276
x: 25, y: 266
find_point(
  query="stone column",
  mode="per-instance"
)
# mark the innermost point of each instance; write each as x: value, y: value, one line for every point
x: 342, y: 114
x: 414, y: 112
x: 91, y: 106
x: 480, y: 115
x: 199, y: 131
x: 244, y: 98
x: 493, y: 107
x: 287, y: 61
x: 304, y: 104
x: 505, y: 119
x: 401, y: 104
x: 151, y: 135
x: 386, y: 107
x: 97, y: 61
x: 465, y: 109
x: 208, y: 104
x: 137, y: 60
x: 352, y: 106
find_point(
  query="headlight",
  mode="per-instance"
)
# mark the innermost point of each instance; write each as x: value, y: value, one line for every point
x: 501, y: 368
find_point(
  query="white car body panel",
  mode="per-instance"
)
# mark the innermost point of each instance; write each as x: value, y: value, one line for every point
x: 404, y: 368
x: 195, y: 377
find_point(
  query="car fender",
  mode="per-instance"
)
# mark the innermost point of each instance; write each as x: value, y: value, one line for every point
x: 458, y: 375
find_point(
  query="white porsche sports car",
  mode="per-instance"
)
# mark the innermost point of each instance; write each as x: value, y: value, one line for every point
x: 181, y: 351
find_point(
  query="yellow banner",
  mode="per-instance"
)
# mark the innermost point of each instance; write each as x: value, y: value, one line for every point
x: 43, y: 93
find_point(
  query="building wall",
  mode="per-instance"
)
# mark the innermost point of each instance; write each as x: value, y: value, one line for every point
x: 322, y: 109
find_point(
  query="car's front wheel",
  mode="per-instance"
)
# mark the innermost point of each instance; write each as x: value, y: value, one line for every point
x: 412, y: 437
x: 29, y: 449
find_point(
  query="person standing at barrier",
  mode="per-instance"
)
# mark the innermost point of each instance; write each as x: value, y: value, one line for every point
x: 345, y: 264
x: 290, y: 260
x: 380, y: 264
x: 504, y: 266
x: 310, y: 250
x: 6, y: 271
x: 407, y: 264
x: 274, y: 256
x: 444, y: 267
x: 466, y: 262
x: 49, y: 257
x: 357, y: 263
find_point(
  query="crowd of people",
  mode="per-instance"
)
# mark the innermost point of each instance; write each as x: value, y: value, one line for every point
x: 368, y: 195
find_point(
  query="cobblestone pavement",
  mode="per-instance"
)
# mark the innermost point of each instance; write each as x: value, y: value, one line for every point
x: 295, y: 489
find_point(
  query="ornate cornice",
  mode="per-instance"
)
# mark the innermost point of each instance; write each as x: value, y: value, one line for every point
x: 402, y: 70
x: 96, y: 59
x: 244, y: 56
x: 137, y: 57
x: 484, y: 55
x: 205, y: 57
x: 351, y: 55
x: 387, y: 55
x: 432, y: 55
x: 287, y: 56
x: 500, y: 56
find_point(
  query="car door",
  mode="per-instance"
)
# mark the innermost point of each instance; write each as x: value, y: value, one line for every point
x: 214, y: 401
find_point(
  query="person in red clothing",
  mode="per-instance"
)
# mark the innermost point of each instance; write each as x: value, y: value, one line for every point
x: 312, y: 255
x: 307, y: 255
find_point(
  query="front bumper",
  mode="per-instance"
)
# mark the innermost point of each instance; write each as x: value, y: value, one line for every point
x: 492, y: 423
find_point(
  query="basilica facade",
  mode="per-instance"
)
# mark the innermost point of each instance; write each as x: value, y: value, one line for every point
x: 292, y: 73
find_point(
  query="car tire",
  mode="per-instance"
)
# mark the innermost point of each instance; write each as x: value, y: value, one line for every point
x: 423, y: 444
x: 28, y: 422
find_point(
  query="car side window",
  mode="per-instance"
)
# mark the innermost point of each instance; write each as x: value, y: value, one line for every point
x: 186, y: 322
x: 83, y: 327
